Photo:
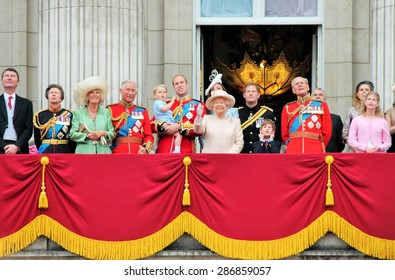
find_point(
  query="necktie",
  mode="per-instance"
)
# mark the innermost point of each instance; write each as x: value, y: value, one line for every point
x: 9, y: 102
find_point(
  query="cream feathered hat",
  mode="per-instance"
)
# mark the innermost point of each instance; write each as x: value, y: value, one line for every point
x: 215, y: 78
x: 85, y: 86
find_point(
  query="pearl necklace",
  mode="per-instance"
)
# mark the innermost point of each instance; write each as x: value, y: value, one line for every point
x: 92, y: 114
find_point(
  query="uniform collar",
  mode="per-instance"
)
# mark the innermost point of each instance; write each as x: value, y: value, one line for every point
x: 125, y: 104
x: 184, y: 99
x: 255, y: 108
x: 305, y: 98
x: 55, y: 111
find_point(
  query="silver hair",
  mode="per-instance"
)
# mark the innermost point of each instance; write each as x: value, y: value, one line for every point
x: 128, y: 82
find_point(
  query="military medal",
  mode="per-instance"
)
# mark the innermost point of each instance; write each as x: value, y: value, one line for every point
x: 189, y: 115
x: 259, y: 122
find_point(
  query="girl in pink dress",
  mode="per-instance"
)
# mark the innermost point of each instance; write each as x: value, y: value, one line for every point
x: 369, y: 132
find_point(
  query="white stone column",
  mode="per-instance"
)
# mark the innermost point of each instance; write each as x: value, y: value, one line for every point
x: 78, y: 39
x: 383, y: 49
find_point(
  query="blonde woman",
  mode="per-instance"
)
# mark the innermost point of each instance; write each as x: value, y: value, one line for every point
x: 358, y: 98
x: 369, y: 132
x: 91, y: 127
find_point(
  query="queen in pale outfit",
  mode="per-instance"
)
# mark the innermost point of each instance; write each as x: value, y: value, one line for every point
x: 222, y: 133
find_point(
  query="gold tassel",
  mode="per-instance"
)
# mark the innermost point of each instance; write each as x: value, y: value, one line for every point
x: 329, y: 198
x: 186, y: 197
x: 43, y: 199
x: 330, y: 201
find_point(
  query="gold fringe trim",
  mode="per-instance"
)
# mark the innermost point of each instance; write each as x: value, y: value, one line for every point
x: 43, y: 200
x: 21, y: 239
x: 256, y: 250
x: 293, y: 244
x: 186, y: 197
x: 188, y: 223
x: 364, y: 243
x: 110, y: 250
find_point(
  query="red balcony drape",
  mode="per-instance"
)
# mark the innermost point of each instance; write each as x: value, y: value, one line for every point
x: 241, y: 206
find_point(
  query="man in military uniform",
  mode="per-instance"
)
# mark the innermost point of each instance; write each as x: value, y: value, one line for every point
x: 306, y: 125
x: 131, y: 123
x: 252, y: 115
x: 184, y: 114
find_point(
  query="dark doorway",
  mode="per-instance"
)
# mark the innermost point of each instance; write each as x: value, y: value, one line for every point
x: 226, y: 47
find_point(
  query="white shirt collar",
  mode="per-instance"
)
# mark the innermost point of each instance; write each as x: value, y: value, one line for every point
x: 6, y: 95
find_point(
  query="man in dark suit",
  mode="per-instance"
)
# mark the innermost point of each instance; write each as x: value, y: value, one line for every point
x: 336, y: 144
x: 16, y: 116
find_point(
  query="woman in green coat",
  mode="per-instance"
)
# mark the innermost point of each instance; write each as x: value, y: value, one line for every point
x: 91, y: 126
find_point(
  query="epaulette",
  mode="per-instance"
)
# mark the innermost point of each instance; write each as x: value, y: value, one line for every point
x: 36, y: 114
x: 111, y: 105
x: 268, y: 108
x: 43, y: 110
x: 291, y: 102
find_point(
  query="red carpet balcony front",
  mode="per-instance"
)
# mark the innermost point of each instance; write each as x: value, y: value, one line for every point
x: 239, y: 206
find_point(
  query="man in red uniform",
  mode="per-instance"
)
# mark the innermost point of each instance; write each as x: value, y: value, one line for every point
x: 131, y: 123
x: 306, y: 125
x: 184, y: 114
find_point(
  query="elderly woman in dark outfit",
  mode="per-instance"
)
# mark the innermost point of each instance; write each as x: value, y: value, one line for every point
x: 52, y: 126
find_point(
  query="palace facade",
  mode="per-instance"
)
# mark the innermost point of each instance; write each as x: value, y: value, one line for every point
x: 333, y: 43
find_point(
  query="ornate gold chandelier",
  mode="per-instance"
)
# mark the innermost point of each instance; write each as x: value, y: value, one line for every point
x: 273, y: 79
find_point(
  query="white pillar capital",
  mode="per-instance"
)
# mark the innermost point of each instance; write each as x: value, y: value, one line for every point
x: 78, y: 39
x: 383, y: 49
